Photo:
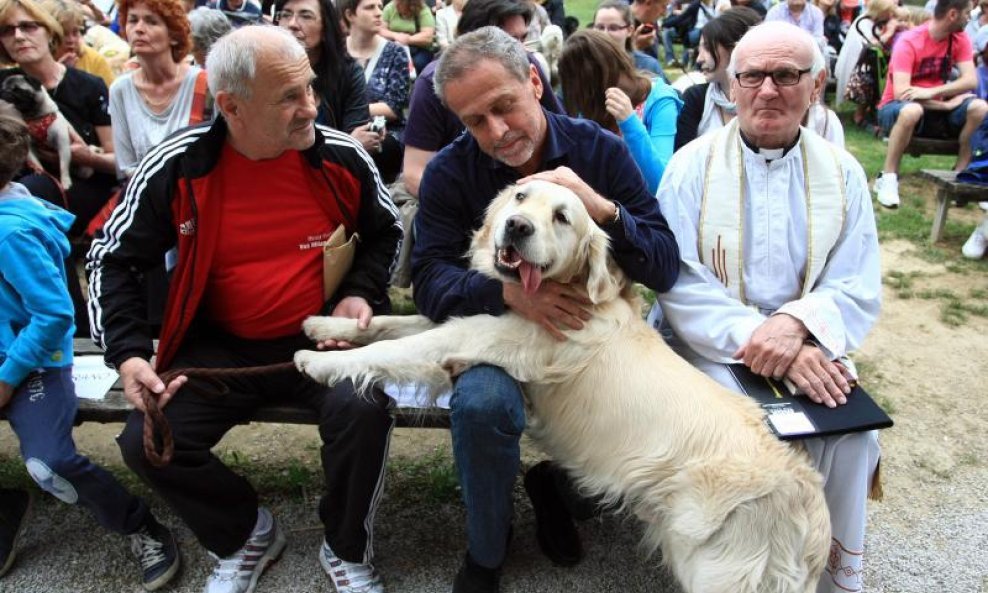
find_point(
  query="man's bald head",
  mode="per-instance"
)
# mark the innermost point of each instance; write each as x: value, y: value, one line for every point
x: 775, y: 36
x: 776, y: 73
x: 235, y: 59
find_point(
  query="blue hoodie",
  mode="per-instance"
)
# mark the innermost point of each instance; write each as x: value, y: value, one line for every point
x: 36, y: 314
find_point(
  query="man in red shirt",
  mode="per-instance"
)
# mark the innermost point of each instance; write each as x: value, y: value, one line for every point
x: 920, y: 97
x: 245, y: 204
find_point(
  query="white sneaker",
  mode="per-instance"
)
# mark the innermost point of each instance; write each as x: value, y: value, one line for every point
x: 239, y: 573
x: 977, y: 243
x: 349, y: 577
x: 887, y: 190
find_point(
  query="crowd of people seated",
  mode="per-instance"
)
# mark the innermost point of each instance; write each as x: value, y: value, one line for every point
x: 132, y: 83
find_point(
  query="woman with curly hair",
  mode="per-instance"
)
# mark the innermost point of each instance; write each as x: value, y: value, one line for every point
x: 165, y: 93
x: 601, y: 83
x: 339, y: 84
x: 410, y: 23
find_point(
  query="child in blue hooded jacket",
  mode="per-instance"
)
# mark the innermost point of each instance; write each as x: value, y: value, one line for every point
x: 36, y: 389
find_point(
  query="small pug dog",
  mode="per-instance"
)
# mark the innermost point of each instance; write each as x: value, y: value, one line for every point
x: 23, y: 97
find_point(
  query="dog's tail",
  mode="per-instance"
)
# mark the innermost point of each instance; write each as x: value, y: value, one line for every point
x: 731, y: 530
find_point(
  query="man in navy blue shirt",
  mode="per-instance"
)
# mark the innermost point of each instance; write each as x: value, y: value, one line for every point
x: 485, y: 78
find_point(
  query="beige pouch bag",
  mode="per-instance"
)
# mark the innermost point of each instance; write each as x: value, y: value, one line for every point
x: 337, y: 257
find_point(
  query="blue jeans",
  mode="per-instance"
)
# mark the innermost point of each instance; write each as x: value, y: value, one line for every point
x: 41, y: 413
x: 951, y: 122
x: 487, y: 411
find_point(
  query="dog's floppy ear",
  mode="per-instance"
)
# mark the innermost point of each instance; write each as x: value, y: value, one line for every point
x: 605, y: 280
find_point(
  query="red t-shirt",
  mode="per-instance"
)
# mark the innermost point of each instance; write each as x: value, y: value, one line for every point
x: 923, y: 57
x: 266, y: 274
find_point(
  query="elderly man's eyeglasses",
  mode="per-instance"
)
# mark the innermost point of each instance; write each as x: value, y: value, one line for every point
x: 26, y: 27
x: 784, y: 77
x: 303, y: 16
x: 612, y: 28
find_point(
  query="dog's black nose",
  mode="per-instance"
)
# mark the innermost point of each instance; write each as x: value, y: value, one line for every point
x: 517, y: 227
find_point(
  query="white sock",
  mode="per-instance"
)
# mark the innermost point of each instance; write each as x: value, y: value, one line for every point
x: 890, y: 176
x: 264, y: 521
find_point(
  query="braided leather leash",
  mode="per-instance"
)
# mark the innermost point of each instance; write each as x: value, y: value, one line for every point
x: 154, y: 419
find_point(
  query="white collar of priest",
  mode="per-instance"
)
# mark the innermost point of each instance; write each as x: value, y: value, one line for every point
x: 769, y: 154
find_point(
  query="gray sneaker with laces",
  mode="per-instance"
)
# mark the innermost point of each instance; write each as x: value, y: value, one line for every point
x: 349, y: 577
x: 155, y: 549
x: 239, y: 572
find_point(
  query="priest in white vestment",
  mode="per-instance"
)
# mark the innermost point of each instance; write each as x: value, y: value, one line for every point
x: 780, y: 261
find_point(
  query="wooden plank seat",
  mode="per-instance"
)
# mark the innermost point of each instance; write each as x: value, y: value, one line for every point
x: 918, y: 146
x: 950, y: 191
x: 114, y: 408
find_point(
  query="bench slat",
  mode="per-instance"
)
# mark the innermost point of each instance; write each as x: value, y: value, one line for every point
x: 115, y: 408
x: 918, y: 146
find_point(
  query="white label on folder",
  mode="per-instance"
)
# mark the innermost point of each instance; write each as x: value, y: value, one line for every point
x: 788, y: 423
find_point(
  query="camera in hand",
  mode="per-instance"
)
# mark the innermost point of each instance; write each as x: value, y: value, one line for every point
x: 377, y: 124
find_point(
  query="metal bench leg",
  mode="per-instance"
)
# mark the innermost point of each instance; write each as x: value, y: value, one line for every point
x: 940, y: 216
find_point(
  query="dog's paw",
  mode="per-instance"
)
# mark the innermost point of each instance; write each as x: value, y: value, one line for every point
x: 307, y: 363
x: 304, y: 358
x: 328, y: 368
x: 330, y: 328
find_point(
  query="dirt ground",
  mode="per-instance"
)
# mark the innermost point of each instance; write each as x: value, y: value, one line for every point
x: 931, y: 376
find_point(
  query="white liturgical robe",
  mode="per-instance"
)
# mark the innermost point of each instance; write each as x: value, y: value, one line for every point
x: 838, y: 309
x: 842, y: 305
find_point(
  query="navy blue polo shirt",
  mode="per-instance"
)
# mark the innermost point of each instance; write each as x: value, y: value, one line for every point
x: 460, y: 182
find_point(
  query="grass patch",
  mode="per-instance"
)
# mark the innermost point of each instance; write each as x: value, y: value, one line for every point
x: 295, y: 478
x: 969, y: 459
x: 13, y: 473
x: 954, y: 309
x: 428, y: 478
x: 897, y: 280
x: 401, y: 301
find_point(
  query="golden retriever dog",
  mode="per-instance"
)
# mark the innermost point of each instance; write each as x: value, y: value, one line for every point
x: 733, y: 509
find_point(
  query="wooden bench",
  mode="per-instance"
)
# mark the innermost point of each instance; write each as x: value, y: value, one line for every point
x: 918, y: 146
x: 114, y: 408
x: 950, y: 191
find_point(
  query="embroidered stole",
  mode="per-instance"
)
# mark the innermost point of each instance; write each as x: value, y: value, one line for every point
x: 722, y: 209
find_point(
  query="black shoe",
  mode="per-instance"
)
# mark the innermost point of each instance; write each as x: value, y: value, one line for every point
x: 473, y: 578
x: 14, y: 507
x: 155, y: 548
x: 554, y: 528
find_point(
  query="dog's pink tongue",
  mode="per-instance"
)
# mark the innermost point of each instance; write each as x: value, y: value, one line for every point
x: 531, y: 277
